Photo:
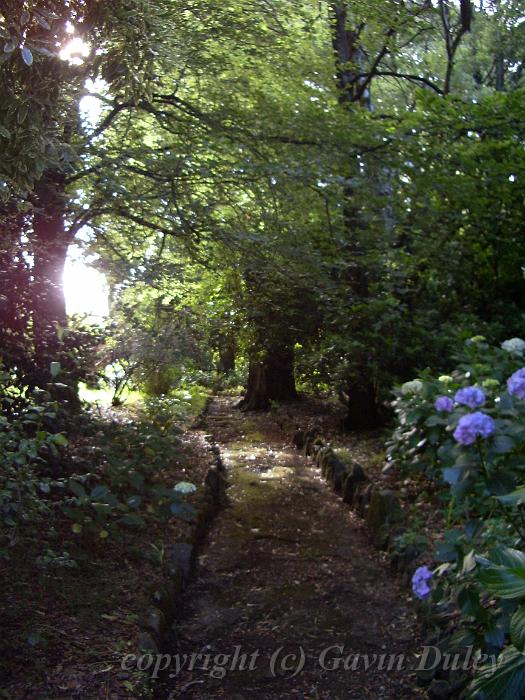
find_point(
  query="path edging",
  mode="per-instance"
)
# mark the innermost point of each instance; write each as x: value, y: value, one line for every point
x: 380, y: 507
x: 159, y: 615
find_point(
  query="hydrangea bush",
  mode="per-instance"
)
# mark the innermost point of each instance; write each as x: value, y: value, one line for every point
x: 466, y: 430
x: 480, y: 405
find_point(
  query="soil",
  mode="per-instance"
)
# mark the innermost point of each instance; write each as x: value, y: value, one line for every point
x: 289, y: 583
x: 87, y: 617
x: 287, y: 573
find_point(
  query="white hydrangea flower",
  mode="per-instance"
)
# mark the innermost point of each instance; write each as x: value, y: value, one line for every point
x: 490, y: 384
x: 516, y: 346
x: 185, y: 487
x: 476, y: 339
x: 413, y: 387
x: 446, y: 379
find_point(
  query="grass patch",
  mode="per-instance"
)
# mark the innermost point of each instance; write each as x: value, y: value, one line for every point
x: 103, y: 397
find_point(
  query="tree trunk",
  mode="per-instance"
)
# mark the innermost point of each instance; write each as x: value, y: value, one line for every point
x: 270, y: 378
x: 350, y: 59
x: 226, y: 362
x: 363, y: 412
x: 50, y: 245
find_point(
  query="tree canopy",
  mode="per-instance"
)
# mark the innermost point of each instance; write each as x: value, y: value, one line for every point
x: 286, y: 198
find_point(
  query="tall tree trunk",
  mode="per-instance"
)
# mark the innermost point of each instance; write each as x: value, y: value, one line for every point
x: 50, y: 245
x: 500, y: 56
x: 270, y: 378
x: 227, y: 349
x: 362, y: 404
x: 364, y: 411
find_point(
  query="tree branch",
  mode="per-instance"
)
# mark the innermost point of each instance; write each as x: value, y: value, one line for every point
x: 408, y: 76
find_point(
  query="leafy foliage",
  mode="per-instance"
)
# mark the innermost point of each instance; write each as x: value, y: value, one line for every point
x: 117, y: 485
x: 29, y: 447
x: 322, y: 191
x: 483, y: 569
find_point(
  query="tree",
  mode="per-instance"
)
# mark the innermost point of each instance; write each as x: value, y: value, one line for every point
x: 45, y: 142
x: 299, y: 204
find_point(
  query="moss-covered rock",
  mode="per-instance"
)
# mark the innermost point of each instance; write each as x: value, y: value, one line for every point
x: 298, y: 439
x: 165, y: 597
x: 317, y: 445
x: 362, y: 496
x: 335, y: 471
x: 153, y: 621
x: 321, y: 458
x: 383, y: 514
x: 179, y: 558
x: 354, y: 476
x: 309, y: 439
x: 147, y: 643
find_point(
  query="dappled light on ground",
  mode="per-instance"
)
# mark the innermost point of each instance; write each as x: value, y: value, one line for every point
x: 287, y: 565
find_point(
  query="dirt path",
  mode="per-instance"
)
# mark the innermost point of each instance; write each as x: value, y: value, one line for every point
x: 288, y: 569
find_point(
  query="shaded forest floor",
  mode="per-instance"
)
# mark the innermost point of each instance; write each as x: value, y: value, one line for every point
x: 66, y: 630
x: 287, y: 569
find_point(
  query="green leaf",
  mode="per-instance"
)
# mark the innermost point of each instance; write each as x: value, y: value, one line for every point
x: 4, y: 133
x: 452, y: 475
x: 435, y: 420
x: 102, y: 510
x: 35, y: 639
x: 468, y: 601
x: 99, y: 492
x: 77, y: 528
x: 136, y: 479
x: 517, y: 628
x: 132, y: 520
x: 501, y: 483
x: 44, y: 486
x: 505, y: 403
x: 502, y: 444
x: 469, y: 563
x: 504, y: 582
x: 505, y: 681
x: 494, y: 636
x: 134, y: 501
x: 27, y: 56
x: 21, y: 114
x: 77, y: 489
x: 45, y: 52
x: 506, y: 556
x: 54, y: 369
x: 42, y: 22
x: 60, y: 440
x: 464, y: 459
x: 183, y: 511
x: 446, y: 552
x: 515, y: 498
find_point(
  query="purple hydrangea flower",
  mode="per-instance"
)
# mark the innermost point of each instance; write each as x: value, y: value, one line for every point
x: 420, y: 579
x: 444, y: 403
x: 516, y: 384
x: 470, y: 396
x: 474, y: 425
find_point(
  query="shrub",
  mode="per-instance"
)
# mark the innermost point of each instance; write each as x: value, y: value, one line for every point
x: 117, y: 486
x: 28, y: 448
x: 466, y: 430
